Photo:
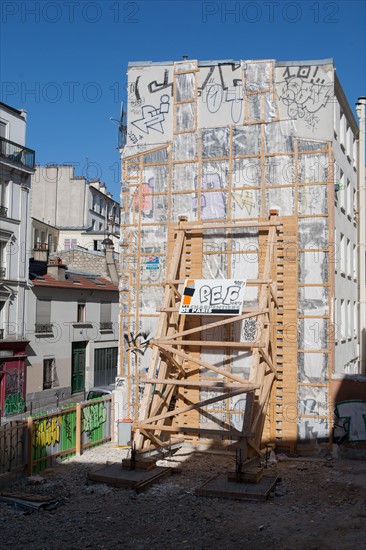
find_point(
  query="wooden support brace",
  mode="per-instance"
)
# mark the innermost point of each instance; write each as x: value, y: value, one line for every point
x: 206, y: 343
x: 214, y: 385
x: 204, y: 364
x: 191, y: 407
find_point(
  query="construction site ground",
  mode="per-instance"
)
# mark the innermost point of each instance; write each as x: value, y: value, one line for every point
x: 317, y: 504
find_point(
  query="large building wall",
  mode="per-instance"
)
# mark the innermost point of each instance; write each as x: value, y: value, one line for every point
x: 229, y: 141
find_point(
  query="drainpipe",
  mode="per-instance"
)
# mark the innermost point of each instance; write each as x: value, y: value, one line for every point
x: 360, y: 110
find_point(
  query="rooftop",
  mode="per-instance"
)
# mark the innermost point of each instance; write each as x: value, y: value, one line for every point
x: 74, y: 281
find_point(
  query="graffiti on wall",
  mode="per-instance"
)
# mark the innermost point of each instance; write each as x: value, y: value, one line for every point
x: 304, y: 91
x: 149, y: 104
x: 153, y: 117
x: 14, y: 404
x: 137, y: 343
x: 221, y: 88
x: 14, y: 401
x: 350, y: 421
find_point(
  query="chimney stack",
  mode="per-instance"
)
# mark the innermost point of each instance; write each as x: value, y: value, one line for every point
x: 56, y: 269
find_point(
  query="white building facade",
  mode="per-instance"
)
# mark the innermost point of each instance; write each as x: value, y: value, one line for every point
x: 16, y: 169
x: 73, y: 334
x: 84, y: 212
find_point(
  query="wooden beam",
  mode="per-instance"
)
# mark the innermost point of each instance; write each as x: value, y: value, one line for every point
x: 273, y: 294
x: 231, y: 432
x: 204, y: 364
x: 151, y: 436
x: 217, y: 385
x: 192, y: 226
x: 190, y: 407
x: 267, y: 360
x: 233, y: 319
x: 175, y: 363
x: 249, y: 282
x: 206, y: 343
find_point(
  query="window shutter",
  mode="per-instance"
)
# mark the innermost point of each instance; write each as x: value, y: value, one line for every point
x: 43, y: 312
x: 105, y: 312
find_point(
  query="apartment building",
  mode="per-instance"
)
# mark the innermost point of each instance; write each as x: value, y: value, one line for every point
x: 83, y: 211
x: 16, y: 169
x: 72, y: 332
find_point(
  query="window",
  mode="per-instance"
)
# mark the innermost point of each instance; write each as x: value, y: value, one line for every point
x: 48, y: 373
x: 355, y: 319
x: 349, y: 199
x: 342, y: 253
x: 3, y: 199
x: 349, y: 320
x: 354, y: 263
x: 348, y: 259
x: 2, y: 319
x: 342, y: 130
x: 70, y: 244
x: 100, y: 226
x: 43, y: 315
x: 343, y: 319
x: 342, y: 191
x: 3, y: 129
x: 336, y: 119
x: 81, y: 313
x: 105, y: 316
x: 2, y: 259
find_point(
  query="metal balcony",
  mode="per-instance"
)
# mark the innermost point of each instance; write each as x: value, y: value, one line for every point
x: 43, y: 328
x: 17, y: 153
x: 3, y: 212
x: 105, y: 326
x: 2, y: 272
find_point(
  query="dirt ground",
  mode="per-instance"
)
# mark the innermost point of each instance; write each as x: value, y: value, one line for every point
x: 317, y: 504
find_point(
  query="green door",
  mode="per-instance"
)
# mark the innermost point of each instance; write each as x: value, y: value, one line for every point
x: 78, y: 367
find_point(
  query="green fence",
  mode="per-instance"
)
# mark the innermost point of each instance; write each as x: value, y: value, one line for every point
x: 35, y: 444
x: 69, y: 431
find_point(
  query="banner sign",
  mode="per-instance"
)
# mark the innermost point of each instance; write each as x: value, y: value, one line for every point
x: 152, y: 263
x: 212, y: 297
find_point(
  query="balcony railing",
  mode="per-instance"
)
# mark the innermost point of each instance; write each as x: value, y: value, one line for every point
x: 40, y: 246
x: 106, y: 326
x: 17, y: 153
x: 2, y: 272
x: 2, y: 334
x: 3, y: 212
x: 43, y: 328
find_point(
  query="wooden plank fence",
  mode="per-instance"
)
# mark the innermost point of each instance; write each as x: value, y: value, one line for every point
x: 29, y: 446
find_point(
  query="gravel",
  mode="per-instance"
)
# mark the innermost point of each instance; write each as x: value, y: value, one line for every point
x: 317, y: 505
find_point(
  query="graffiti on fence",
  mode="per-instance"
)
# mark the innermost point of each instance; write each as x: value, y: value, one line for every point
x: 94, y: 417
x: 47, y: 432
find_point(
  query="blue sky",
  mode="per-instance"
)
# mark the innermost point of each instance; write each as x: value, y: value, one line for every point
x: 65, y: 62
